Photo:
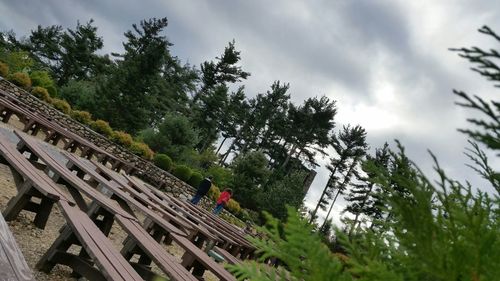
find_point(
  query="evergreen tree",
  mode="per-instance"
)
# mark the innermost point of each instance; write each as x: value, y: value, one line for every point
x: 70, y: 54
x: 225, y: 70
x: 349, y: 145
x: 365, y: 197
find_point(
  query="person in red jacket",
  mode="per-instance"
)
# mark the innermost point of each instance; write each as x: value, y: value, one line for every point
x: 222, y: 200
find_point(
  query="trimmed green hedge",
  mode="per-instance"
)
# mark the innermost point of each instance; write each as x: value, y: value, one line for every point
x: 195, y: 179
x: 163, y: 161
x: 183, y: 172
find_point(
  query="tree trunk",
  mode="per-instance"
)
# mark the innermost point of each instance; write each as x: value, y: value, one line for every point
x: 357, y: 214
x: 342, y: 158
x: 330, y: 210
x: 220, y: 146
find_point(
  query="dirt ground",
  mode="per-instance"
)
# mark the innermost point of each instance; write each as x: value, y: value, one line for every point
x: 34, y: 242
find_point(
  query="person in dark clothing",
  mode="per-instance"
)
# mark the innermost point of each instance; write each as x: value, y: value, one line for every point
x: 203, y: 189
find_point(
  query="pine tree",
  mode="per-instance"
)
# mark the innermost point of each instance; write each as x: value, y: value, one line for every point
x: 365, y: 197
x: 349, y: 145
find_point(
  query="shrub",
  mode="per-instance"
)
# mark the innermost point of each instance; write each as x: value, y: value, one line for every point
x: 81, y: 116
x: 214, y: 192
x: 142, y: 149
x: 61, y: 105
x: 41, y: 78
x: 182, y: 172
x: 233, y: 206
x: 122, y: 138
x: 102, y: 127
x: 163, y: 161
x: 52, y: 90
x: 21, y: 79
x: 195, y: 179
x: 4, y: 69
x: 41, y: 93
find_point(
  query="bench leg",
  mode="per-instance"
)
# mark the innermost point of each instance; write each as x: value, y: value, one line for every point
x: 17, y: 203
x: 62, y: 244
x: 43, y: 213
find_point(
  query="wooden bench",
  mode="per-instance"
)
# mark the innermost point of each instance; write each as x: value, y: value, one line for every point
x: 33, y: 123
x: 32, y: 185
x: 195, y: 258
x: 98, y: 249
x: 137, y: 235
x: 12, y: 264
x: 226, y: 255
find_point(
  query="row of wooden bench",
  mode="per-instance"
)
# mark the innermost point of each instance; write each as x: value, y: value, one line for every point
x: 112, y: 199
x: 34, y: 123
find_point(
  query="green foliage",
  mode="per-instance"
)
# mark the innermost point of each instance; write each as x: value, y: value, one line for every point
x: 41, y: 93
x: 4, y: 69
x: 175, y: 137
x: 83, y: 117
x: 122, y: 138
x: 18, y: 61
x: 42, y: 79
x: 61, y: 105
x: 52, y: 90
x: 142, y: 149
x: 69, y: 54
x: 297, y: 247
x: 21, y: 79
x: 160, y: 83
x: 163, y: 161
x: 102, y: 127
x: 195, y: 179
x: 287, y: 191
x: 80, y: 94
x: 221, y: 176
x: 249, y: 171
x: 182, y: 172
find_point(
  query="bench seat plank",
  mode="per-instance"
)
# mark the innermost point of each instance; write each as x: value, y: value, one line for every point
x: 13, y: 266
x: 99, y: 247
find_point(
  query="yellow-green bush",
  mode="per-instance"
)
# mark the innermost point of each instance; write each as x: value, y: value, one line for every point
x: 163, y: 161
x: 142, y: 149
x: 233, y: 206
x: 61, y: 105
x: 214, y: 192
x: 122, y: 138
x: 41, y: 93
x: 21, y: 79
x: 183, y: 172
x: 4, y: 69
x: 102, y: 127
x: 81, y: 116
x: 41, y: 78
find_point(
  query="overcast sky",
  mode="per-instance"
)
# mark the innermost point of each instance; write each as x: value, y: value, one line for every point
x: 386, y: 63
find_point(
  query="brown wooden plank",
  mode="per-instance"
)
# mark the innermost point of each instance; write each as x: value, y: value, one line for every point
x: 28, y: 171
x: 203, y: 258
x: 99, y: 248
x: 226, y: 255
x: 117, y: 191
x: 71, y: 179
x: 12, y: 263
x: 162, y: 259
